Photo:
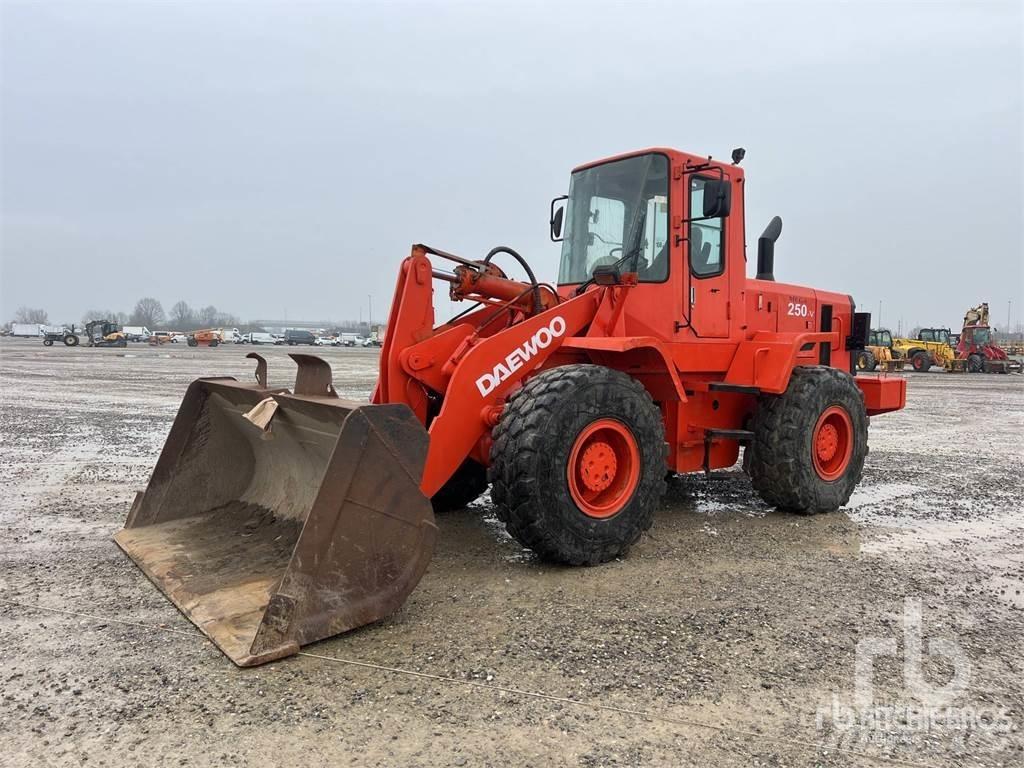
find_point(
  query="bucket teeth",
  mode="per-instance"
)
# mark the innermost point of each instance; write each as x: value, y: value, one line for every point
x: 314, y: 376
x: 261, y: 369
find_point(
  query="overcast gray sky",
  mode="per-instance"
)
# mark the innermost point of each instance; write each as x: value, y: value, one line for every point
x: 281, y: 157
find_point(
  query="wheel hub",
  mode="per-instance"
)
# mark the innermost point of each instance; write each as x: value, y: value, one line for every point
x: 598, y: 466
x: 832, y: 443
x: 604, y: 468
x: 828, y: 442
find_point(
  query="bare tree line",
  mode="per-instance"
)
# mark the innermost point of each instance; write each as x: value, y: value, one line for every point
x: 148, y: 312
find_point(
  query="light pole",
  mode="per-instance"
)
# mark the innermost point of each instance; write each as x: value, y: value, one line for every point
x: 879, y: 313
x: 370, y: 298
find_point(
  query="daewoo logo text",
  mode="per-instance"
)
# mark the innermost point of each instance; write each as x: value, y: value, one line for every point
x: 519, y: 356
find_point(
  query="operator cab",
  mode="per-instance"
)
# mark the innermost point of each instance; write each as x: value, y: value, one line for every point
x: 880, y: 338
x: 660, y: 215
x: 938, y: 335
x: 978, y: 335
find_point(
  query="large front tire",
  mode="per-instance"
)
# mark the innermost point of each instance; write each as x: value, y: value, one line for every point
x: 810, y: 442
x: 578, y: 464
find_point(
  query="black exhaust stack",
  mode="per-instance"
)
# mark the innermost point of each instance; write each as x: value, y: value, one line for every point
x: 766, y: 249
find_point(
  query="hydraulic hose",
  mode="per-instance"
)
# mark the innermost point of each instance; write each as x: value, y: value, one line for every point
x: 529, y: 272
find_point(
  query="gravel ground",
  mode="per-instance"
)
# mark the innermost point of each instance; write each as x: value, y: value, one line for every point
x: 727, y: 637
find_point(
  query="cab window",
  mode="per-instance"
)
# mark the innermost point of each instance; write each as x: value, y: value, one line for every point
x: 617, y: 214
x: 706, y: 236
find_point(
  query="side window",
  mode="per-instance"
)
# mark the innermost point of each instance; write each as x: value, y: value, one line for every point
x: 607, y: 220
x: 654, y: 259
x: 705, y: 236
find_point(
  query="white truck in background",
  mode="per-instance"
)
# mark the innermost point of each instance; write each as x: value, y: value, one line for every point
x: 349, y: 340
x: 137, y: 333
x: 256, y: 337
x: 26, y: 329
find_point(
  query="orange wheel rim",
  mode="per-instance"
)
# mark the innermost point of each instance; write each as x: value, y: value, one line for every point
x: 604, y: 468
x: 832, y: 443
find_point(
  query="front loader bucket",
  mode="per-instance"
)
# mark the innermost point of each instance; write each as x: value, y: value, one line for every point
x: 275, y: 526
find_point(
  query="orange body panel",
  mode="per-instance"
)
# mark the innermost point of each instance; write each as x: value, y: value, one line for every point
x: 704, y: 347
x: 883, y: 394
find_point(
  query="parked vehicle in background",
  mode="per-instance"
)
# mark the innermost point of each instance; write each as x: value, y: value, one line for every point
x: 879, y: 353
x: 349, y: 340
x: 103, y: 333
x: 137, y: 333
x: 207, y: 337
x: 324, y: 341
x: 26, y: 329
x: 231, y: 336
x: 259, y: 338
x: 161, y: 337
x: 371, y: 342
x: 67, y: 337
x: 978, y: 347
x: 294, y: 336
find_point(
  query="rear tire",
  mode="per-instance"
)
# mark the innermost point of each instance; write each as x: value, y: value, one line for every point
x: 866, y: 361
x: 578, y: 464
x: 466, y: 485
x: 71, y: 340
x: 921, y: 362
x: 810, y: 442
x: 192, y: 342
x: 975, y: 363
x: 214, y: 342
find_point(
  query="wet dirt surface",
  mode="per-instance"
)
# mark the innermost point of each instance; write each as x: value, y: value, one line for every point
x: 727, y: 637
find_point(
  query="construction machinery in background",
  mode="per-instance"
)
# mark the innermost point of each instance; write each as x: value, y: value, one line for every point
x: 65, y: 336
x: 103, y: 333
x: 978, y: 348
x: 931, y: 347
x: 878, y: 353
x: 276, y: 517
x: 207, y: 337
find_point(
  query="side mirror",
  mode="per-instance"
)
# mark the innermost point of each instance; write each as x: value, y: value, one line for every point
x: 557, y: 215
x: 717, y: 198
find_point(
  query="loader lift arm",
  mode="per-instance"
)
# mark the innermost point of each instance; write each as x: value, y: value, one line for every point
x: 454, y: 374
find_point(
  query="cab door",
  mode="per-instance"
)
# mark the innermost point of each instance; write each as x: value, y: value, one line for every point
x: 708, y: 276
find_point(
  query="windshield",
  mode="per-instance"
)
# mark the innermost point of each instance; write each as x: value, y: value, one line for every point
x: 981, y: 336
x: 884, y: 339
x: 617, y: 212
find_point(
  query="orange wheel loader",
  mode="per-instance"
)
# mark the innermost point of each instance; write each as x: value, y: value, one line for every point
x: 277, y: 517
